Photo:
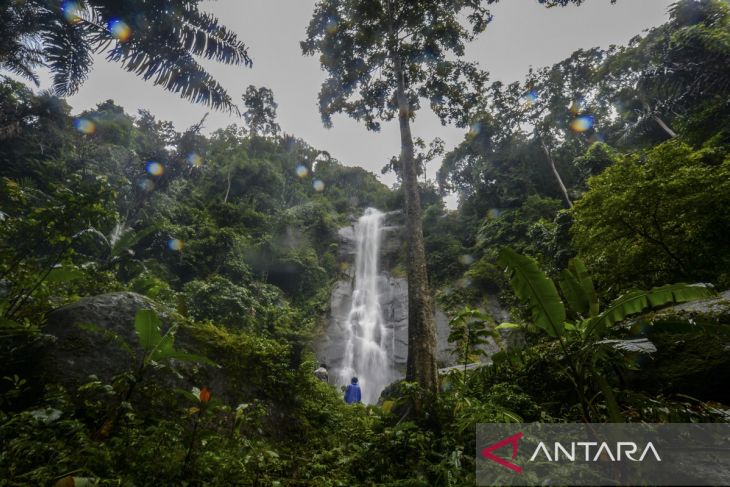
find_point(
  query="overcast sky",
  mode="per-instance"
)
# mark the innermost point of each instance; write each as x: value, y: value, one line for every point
x: 522, y: 34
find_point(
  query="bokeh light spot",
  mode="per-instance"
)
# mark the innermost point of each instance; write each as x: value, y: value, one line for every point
x: 154, y: 168
x: 466, y: 259
x: 71, y: 12
x: 195, y: 159
x: 146, y: 184
x: 582, y: 123
x: 529, y: 98
x: 475, y: 129
x: 120, y: 30
x: 85, y: 126
x: 302, y: 171
x: 175, y: 244
x: 464, y: 282
x: 318, y: 185
x: 331, y: 26
x: 493, y: 213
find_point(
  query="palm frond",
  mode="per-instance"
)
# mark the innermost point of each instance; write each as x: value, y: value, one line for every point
x: 67, y: 54
x: 202, y: 35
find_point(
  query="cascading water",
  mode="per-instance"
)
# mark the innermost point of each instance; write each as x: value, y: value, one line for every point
x: 368, y: 340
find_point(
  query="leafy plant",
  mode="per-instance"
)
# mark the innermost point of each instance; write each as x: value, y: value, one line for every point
x: 158, y: 348
x: 579, y: 338
x: 468, y: 332
x: 549, y: 311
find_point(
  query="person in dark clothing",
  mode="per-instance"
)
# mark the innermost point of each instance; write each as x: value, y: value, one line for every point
x: 352, y: 394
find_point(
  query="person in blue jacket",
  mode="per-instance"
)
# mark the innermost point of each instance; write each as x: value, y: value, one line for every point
x: 352, y: 394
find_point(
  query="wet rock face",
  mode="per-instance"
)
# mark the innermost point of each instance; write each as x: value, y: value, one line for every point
x: 391, y: 246
x: 330, y: 347
x: 395, y: 313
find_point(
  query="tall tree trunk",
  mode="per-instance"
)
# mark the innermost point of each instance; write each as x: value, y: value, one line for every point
x: 421, y: 364
x: 555, y: 172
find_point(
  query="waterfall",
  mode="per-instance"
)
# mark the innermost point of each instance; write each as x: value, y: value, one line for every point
x: 368, y: 340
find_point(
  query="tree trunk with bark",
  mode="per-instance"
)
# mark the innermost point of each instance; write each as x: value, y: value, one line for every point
x: 421, y: 363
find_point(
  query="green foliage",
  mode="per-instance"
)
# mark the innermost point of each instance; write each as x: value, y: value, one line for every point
x: 234, y: 234
x: 468, y: 332
x: 365, y: 41
x: 446, y: 237
x: 485, y: 275
x: 578, y: 340
x: 220, y: 300
x: 154, y: 287
x: 260, y: 114
x: 534, y: 227
x: 596, y: 159
x: 577, y: 287
x: 157, y: 346
x: 532, y: 286
x: 549, y: 311
x: 637, y: 301
x: 644, y: 221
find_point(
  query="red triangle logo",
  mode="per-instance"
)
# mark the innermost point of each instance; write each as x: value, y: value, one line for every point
x: 510, y: 440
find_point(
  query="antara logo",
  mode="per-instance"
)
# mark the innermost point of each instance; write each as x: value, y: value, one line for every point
x: 510, y: 440
x: 592, y: 451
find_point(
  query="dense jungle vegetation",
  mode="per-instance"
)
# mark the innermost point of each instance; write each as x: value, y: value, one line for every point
x: 589, y: 192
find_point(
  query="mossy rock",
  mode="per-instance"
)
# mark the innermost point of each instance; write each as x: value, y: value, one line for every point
x: 693, y: 349
x: 87, y: 340
x: 692, y: 364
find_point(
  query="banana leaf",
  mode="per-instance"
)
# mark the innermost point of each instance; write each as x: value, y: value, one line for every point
x: 532, y: 286
x: 636, y: 302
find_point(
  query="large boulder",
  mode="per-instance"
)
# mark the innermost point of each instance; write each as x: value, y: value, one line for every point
x: 712, y: 310
x: 95, y: 336
x: 89, y: 337
x: 692, y: 356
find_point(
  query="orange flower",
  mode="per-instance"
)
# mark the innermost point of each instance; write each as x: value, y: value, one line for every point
x: 204, y: 394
